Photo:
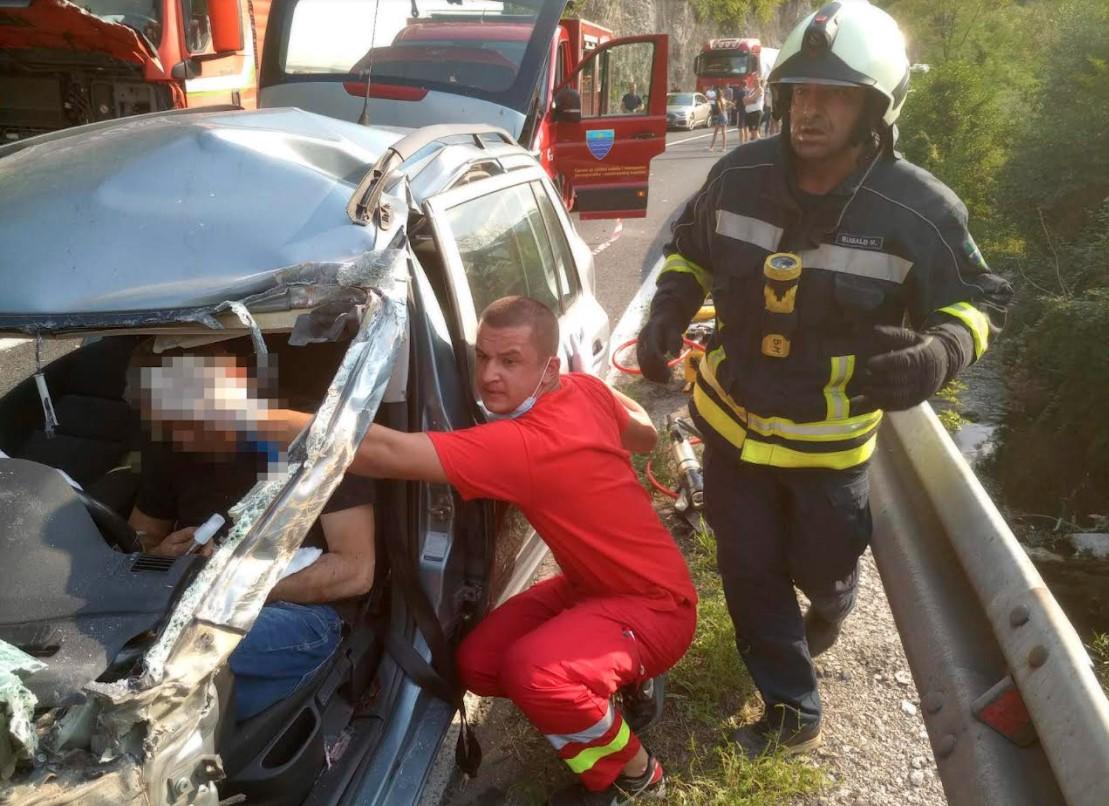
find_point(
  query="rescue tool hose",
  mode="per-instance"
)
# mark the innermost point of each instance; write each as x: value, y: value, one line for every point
x: 690, y: 345
x: 658, y: 485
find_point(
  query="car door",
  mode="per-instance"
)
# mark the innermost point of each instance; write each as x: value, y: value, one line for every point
x: 507, y: 235
x: 604, y: 154
x: 701, y: 107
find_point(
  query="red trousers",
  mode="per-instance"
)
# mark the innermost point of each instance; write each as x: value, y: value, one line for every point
x: 560, y: 658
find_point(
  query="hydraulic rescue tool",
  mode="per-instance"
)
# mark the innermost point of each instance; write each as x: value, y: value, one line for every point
x: 783, y: 274
x: 691, y: 479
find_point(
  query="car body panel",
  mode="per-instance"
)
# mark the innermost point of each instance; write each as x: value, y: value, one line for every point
x: 126, y: 196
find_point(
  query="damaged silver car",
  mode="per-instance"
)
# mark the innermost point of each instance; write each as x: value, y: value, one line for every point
x: 353, y: 259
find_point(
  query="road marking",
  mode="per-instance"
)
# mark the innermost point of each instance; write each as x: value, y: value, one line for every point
x: 697, y: 137
x: 617, y: 231
x: 627, y: 328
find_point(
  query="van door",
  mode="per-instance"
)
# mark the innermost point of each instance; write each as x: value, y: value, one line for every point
x: 602, y: 160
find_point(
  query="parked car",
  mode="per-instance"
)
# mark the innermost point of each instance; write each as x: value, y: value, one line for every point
x: 687, y: 110
x: 361, y: 257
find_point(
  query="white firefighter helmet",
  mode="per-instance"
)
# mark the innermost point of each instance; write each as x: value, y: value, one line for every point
x: 848, y: 43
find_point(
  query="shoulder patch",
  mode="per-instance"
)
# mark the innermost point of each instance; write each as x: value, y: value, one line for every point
x: 859, y: 241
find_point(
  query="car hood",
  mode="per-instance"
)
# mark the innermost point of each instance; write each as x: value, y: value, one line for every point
x: 175, y: 210
x: 60, y: 25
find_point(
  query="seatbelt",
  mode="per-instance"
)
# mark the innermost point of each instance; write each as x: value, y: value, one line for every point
x: 440, y: 677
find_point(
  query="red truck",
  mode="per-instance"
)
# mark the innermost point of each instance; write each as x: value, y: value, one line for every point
x: 63, y: 64
x: 727, y: 63
x: 561, y: 87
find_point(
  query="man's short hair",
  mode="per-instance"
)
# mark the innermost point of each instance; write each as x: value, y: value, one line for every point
x: 521, y: 311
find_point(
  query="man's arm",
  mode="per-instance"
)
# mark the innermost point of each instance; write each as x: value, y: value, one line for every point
x: 384, y: 453
x: 346, y: 570
x: 639, y: 434
x: 151, y: 530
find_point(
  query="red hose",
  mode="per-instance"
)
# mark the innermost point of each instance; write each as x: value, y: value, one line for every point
x: 658, y: 485
x: 690, y: 347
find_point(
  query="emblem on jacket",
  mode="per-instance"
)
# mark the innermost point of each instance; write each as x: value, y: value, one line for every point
x: 859, y: 241
x: 600, y: 142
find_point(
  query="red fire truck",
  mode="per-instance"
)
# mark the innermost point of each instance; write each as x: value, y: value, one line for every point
x: 63, y: 64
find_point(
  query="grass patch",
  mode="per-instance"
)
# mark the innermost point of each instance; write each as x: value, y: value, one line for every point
x: 1099, y: 651
x: 712, y: 694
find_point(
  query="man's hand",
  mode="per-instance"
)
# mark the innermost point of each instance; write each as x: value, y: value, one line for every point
x: 177, y: 543
x: 661, y: 335
x: 909, y: 368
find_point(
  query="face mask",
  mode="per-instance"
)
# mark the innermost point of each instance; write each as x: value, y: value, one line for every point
x: 522, y: 409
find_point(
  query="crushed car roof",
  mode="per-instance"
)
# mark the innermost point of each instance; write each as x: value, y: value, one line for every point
x: 177, y: 210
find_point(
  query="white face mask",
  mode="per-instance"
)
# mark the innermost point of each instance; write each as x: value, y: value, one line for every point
x: 523, y: 408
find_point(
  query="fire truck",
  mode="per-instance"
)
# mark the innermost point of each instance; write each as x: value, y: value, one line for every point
x: 64, y: 64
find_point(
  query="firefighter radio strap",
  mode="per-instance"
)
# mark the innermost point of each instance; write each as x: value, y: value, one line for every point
x: 782, y: 271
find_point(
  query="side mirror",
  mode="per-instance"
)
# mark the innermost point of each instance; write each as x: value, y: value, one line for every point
x: 227, y: 25
x: 567, y: 106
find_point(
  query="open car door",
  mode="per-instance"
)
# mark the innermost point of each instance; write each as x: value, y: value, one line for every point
x: 603, y: 150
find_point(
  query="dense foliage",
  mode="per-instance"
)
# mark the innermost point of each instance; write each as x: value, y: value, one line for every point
x: 1013, y: 114
x: 735, y: 12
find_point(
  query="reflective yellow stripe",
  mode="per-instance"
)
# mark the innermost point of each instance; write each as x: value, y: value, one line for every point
x: 585, y: 760
x: 832, y: 430
x: 680, y: 265
x: 843, y: 367
x: 763, y: 453
x: 721, y: 422
x: 977, y: 323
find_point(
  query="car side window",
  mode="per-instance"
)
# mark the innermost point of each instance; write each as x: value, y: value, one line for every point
x: 568, y: 281
x: 505, y: 250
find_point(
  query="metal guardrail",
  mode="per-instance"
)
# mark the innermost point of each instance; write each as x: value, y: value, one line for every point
x: 971, y: 608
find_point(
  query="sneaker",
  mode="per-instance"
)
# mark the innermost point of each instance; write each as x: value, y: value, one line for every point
x: 643, y: 703
x: 820, y: 634
x: 762, y: 738
x: 651, y: 785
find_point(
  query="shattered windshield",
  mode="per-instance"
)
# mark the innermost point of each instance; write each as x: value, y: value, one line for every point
x: 478, y: 47
x: 145, y: 16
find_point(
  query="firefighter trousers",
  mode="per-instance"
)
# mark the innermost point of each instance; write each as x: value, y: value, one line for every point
x: 776, y: 528
x: 560, y: 658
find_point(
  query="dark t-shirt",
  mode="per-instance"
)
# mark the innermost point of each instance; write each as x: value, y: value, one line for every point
x: 187, y: 488
x: 631, y: 102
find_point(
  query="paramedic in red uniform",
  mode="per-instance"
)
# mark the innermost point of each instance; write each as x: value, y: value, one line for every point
x: 624, y: 608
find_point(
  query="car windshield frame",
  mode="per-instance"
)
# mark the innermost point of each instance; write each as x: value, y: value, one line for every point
x: 675, y: 99
x: 517, y: 96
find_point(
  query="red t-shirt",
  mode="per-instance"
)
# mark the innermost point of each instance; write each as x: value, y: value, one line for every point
x: 562, y: 464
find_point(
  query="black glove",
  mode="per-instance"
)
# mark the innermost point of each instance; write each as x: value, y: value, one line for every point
x: 907, y: 369
x: 661, y: 335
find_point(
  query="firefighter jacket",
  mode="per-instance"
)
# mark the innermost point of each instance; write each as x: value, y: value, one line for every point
x: 778, y: 384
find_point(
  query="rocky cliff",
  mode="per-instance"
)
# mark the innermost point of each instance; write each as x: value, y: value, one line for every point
x: 687, y: 32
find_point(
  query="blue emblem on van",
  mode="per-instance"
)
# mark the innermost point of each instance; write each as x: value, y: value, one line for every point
x: 600, y: 142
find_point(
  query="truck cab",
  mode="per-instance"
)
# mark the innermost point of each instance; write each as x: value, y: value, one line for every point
x: 561, y: 88
x: 727, y: 62
x: 65, y: 64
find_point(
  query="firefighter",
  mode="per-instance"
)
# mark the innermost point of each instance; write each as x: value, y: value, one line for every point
x: 845, y: 284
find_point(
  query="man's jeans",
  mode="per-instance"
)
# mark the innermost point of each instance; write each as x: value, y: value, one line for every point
x: 287, y: 643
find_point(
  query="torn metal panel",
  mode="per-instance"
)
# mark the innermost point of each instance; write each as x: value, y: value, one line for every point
x: 17, y: 708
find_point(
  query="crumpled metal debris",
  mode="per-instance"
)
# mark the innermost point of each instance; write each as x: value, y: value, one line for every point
x: 17, y: 708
